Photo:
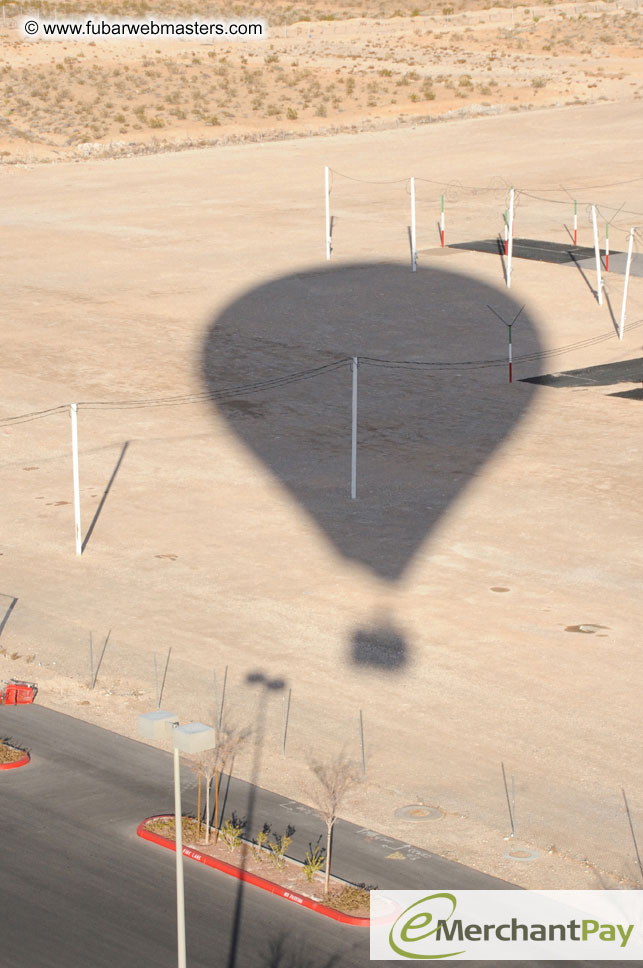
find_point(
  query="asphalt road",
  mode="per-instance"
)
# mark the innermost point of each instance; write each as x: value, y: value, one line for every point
x: 81, y: 890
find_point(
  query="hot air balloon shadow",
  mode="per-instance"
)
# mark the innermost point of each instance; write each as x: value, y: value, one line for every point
x: 423, y: 431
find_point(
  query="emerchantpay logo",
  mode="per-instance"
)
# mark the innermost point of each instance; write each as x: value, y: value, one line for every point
x: 506, y: 925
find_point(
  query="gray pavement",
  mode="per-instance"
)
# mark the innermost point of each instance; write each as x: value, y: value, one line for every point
x: 81, y: 889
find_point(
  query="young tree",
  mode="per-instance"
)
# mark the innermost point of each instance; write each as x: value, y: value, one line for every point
x: 335, y: 778
x: 229, y: 740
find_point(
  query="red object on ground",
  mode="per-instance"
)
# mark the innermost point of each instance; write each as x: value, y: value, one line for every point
x: 17, y: 693
x: 12, y: 766
x: 249, y: 878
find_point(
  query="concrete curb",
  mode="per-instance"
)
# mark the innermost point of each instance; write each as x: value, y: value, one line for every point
x: 16, y: 763
x: 249, y: 878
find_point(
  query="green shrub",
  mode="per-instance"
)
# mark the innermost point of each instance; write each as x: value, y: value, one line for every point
x: 230, y: 834
x: 315, y: 861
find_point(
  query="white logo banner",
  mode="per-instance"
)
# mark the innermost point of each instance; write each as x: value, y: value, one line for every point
x: 507, y: 925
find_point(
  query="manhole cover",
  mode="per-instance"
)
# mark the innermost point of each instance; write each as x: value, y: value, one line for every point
x: 418, y: 811
x: 521, y: 853
x: 500, y: 588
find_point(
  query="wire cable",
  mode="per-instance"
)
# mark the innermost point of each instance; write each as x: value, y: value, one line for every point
x: 227, y: 393
x: 223, y: 394
x: 34, y: 415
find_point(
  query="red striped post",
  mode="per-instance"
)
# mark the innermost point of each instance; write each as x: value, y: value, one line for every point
x: 442, y: 220
x: 575, y: 222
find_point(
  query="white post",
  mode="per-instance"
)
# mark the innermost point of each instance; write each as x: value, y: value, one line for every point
x: 414, y: 254
x: 74, y: 456
x: 597, y: 253
x: 510, y: 246
x: 178, y: 825
x: 625, y: 284
x: 442, y: 220
x: 327, y: 196
x: 575, y: 222
x: 354, y: 433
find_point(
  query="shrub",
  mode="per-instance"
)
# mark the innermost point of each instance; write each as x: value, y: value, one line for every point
x: 230, y: 834
x: 315, y: 860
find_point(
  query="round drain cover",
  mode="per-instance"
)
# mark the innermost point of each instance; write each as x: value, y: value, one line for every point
x: 521, y: 853
x: 418, y: 811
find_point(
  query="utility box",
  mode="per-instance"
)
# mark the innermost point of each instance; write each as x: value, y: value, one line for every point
x: 18, y: 693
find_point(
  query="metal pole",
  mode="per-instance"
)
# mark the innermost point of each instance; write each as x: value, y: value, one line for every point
x: 285, y: 715
x: 354, y: 433
x: 506, y: 233
x: 513, y: 800
x: 510, y: 248
x: 198, y: 806
x: 327, y: 197
x: 414, y: 254
x: 607, y: 247
x: 74, y: 457
x: 511, y: 816
x: 180, y: 902
x: 629, y: 817
x: 225, y: 680
x: 156, y: 683
x: 597, y: 254
x: 575, y: 222
x: 442, y: 220
x: 625, y: 284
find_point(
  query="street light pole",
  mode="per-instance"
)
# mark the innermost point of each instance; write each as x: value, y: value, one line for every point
x: 191, y: 738
x: 180, y: 892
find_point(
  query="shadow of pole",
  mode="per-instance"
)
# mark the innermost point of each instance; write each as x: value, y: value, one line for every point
x: 580, y: 269
x: 501, y: 252
x: 7, y: 614
x: 105, y: 493
x: 267, y: 686
x: 609, y: 306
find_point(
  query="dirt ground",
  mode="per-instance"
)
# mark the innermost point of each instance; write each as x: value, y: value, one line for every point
x: 118, y: 274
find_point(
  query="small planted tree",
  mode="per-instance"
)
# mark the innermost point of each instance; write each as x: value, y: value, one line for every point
x: 335, y: 779
x: 213, y: 762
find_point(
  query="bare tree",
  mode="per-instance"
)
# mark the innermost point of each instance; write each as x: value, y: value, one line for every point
x: 229, y: 740
x: 335, y: 778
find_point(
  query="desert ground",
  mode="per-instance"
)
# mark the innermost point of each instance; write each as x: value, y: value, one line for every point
x: 442, y: 605
x: 318, y: 71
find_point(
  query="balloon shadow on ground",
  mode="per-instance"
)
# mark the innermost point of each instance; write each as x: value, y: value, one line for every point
x: 423, y: 432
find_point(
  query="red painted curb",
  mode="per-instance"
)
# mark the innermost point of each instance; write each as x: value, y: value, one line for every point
x: 249, y: 878
x: 12, y: 766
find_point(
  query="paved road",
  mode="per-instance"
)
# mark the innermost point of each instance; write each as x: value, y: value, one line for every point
x: 80, y: 890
